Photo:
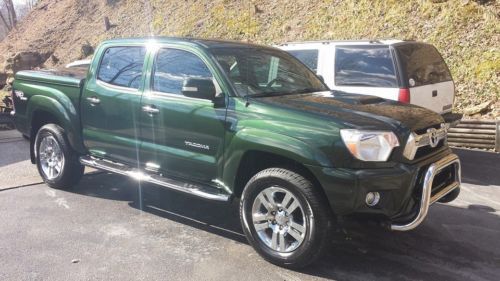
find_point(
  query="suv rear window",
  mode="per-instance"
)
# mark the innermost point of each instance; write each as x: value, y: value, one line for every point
x: 307, y: 57
x: 370, y: 66
x: 422, y: 64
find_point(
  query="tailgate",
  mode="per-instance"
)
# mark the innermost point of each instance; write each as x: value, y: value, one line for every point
x: 436, y: 97
x: 424, y: 71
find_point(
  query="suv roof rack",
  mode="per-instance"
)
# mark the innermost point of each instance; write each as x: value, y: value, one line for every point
x: 371, y: 41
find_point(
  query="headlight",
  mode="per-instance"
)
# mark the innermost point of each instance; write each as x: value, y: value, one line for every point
x: 369, y: 145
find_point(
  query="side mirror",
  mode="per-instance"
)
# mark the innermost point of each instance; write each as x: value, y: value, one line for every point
x: 320, y: 77
x: 199, y: 88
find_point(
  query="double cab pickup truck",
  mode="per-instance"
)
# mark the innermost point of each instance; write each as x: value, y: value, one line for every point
x: 225, y: 120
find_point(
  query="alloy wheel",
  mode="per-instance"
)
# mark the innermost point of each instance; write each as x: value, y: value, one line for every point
x: 279, y: 219
x: 51, y: 157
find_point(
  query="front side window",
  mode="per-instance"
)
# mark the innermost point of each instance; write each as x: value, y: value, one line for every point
x: 368, y: 66
x: 122, y: 66
x: 307, y: 57
x: 173, y: 66
x: 262, y: 71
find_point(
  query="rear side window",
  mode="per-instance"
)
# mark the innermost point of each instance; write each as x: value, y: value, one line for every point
x: 122, y: 66
x: 173, y: 66
x: 370, y: 66
x: 307, y: 57
x: 422, y: 64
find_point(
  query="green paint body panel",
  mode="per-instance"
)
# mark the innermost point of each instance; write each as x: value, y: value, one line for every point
x: 302, y: 128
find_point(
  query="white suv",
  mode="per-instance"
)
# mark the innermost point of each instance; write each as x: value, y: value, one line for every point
x: 406, y: 71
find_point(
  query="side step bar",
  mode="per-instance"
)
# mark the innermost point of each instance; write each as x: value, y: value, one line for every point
x: 199, y: 190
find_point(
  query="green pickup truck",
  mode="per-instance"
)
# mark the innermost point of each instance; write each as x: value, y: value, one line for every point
x: 226, y: 120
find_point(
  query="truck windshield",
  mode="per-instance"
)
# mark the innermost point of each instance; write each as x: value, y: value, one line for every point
x: 307, y: 57
x: 264, y: 72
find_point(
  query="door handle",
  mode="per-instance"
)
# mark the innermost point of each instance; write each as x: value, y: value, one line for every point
x: 94, y: 100
x: 151, y: 109
x: 434, y: 93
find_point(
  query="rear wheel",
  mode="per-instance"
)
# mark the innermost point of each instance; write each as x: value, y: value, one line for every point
x: 56, y: 161
x: 285, y: 218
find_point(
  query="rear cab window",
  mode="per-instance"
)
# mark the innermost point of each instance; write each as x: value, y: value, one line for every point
x: 421, y: 64
x: 122, y: 66
x: 307, y: 57
x: 366, y: 66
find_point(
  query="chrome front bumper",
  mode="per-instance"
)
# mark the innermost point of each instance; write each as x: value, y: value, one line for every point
x: 427, y: 199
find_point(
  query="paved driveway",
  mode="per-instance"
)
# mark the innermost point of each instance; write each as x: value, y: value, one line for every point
x: 110, y: 228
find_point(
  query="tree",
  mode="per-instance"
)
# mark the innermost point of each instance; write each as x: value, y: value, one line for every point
x: 11, y: 12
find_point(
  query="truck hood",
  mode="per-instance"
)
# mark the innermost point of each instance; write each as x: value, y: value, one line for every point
x: 358, y: 111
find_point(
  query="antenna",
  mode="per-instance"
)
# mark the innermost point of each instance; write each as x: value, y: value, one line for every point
x: 247, y: 103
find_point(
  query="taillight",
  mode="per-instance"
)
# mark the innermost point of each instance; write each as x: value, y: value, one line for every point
x: 404, y: 95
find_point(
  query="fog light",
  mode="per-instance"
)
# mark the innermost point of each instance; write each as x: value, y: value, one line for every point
x: 372, y: 198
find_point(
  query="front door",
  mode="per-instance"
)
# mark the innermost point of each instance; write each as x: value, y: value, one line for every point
x: 111, y: 105
x: 182, y: 136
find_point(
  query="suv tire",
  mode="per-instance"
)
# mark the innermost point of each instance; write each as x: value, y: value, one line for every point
x: 56, y: 161
x: 285, y: 218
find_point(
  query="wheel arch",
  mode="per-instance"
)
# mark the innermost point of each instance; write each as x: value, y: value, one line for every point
x: 44, y: 110
x: 251, y: 163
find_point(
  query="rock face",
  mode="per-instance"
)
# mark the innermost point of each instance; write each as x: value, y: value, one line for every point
x: 21, y: 61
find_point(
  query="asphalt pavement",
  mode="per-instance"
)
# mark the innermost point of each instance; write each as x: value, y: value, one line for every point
x: 111, y: 228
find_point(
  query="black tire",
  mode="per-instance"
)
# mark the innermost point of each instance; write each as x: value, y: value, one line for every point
x: 450, y: 196
x: 318, y: 218
x: 72, y: 170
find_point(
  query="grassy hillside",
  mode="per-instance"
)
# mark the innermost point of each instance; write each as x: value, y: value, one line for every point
x: 466, y: 32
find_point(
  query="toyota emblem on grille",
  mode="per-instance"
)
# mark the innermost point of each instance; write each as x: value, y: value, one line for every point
x: 433, y: 137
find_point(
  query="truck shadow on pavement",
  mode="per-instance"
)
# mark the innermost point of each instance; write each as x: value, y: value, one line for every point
x: 453, y: 244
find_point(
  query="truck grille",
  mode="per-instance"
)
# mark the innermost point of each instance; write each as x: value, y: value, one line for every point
x: 425, y: 141
x: 426, y: 150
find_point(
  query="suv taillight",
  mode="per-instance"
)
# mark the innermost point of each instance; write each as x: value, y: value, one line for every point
x: 404, y: 95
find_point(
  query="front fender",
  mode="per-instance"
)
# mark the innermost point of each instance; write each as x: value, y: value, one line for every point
x: 266, y: 141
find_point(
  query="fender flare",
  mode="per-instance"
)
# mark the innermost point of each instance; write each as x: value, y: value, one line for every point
x: 270, y: 142
x: 60, y: 107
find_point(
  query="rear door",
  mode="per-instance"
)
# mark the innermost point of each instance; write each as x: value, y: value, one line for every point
x: 365, y: 69
x: 111, y: 104
x: 427, y: 76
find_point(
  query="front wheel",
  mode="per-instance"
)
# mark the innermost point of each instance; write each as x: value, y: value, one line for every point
x: 285, y: 218
x: 56, y: 161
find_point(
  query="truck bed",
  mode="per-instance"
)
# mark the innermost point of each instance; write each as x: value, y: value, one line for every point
x: 56, y: 89
x: 65, y: 76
